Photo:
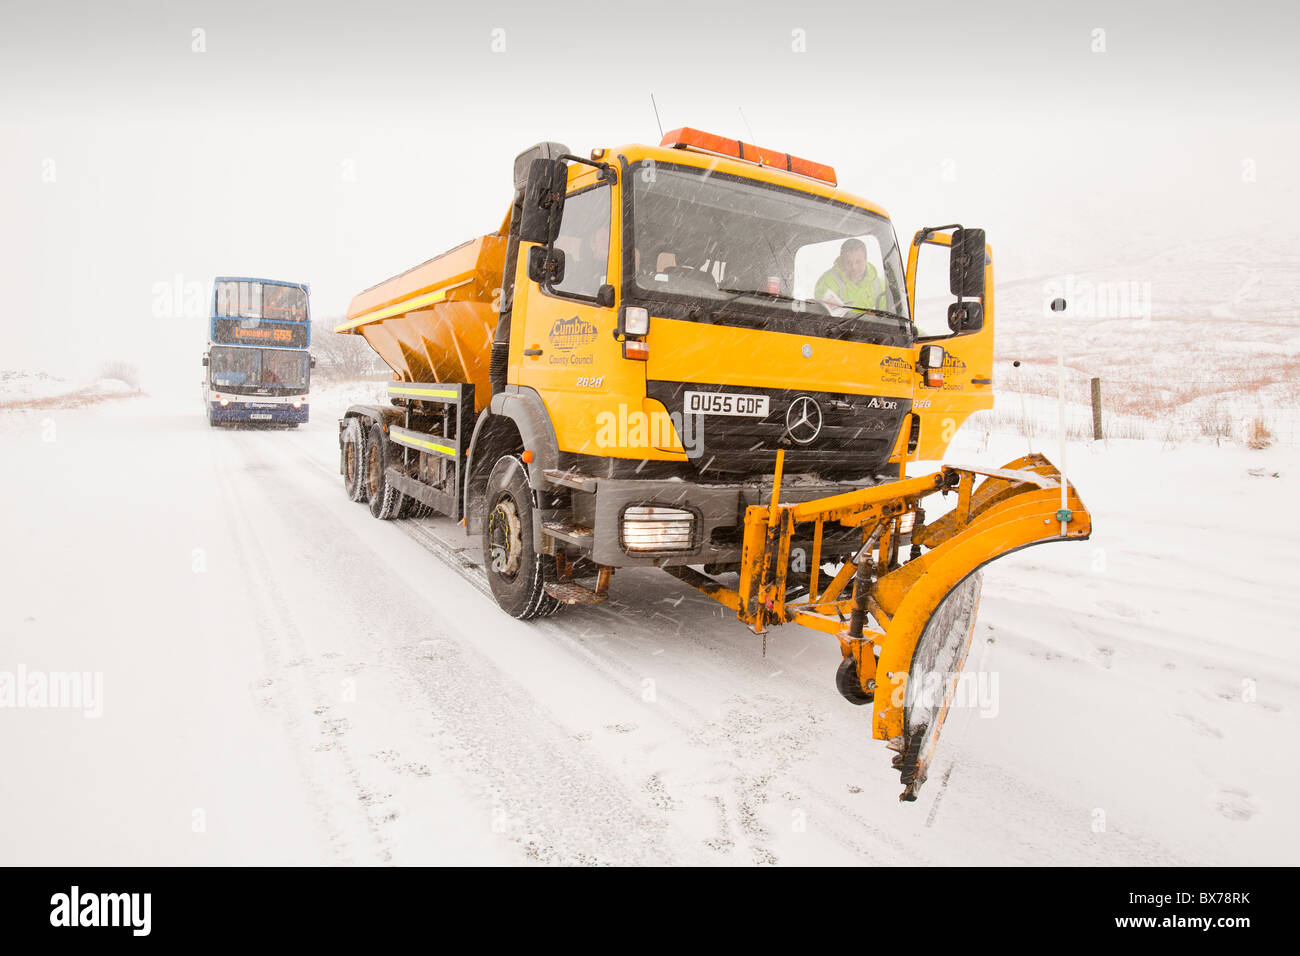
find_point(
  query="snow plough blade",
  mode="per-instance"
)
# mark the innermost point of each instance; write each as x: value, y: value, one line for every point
x: 904, y: 621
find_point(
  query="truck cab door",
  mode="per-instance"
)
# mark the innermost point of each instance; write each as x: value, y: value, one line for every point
x: 563, y: 343
x: 962, y: 324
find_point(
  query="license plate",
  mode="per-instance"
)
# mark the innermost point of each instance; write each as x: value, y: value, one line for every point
x: 725, y: 403
x: 260, y: 416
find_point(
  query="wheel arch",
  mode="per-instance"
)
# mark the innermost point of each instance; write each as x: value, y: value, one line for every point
x: 514, y: 422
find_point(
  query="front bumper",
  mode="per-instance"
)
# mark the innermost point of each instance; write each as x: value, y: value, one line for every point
x: 719, y: 515
x: 258, y: 412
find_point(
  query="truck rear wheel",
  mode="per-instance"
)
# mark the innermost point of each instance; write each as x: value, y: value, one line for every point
x: 354, y: 453
x: 414, y: 508
x: 385, y: 500
x: 516, y: 572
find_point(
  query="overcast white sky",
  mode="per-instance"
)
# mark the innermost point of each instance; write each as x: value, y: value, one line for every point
x: 339, y: 143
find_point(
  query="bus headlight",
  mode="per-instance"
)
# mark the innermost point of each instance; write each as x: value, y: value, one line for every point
x: 652, y: 528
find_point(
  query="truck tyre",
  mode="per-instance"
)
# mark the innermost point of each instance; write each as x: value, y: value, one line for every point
x: 516, y: 573
x: 414, y: 508
x: 385, y: 501
x: 354, y: 453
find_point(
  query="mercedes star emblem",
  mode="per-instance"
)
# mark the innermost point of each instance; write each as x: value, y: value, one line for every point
x: 803, y: 421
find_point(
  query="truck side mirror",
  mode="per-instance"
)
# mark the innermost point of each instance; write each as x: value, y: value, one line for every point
x: 966, y: 316
x: 546, y: 266
x: 313, y: 362
x: 205, y: 361
x: 543, y: 200
x: 966, y: 267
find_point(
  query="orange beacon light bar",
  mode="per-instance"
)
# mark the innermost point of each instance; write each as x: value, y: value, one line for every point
x: 687, y: 138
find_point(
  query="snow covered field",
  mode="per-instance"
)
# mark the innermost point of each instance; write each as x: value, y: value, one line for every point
x: 287, y: 680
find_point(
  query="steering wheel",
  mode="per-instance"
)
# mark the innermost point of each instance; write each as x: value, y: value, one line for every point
x: 692, y: 278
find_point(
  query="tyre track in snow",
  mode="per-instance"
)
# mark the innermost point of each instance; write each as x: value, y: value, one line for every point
x: 535, y: 784
x: 297, y: 697
x: 748, y: 754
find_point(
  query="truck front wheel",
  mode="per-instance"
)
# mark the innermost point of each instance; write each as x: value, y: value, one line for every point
x: 516, y: 572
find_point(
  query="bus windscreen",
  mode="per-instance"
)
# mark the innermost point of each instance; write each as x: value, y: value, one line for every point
x: 239, y: 368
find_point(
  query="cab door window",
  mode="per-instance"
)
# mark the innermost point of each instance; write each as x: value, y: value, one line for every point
x: 584, y: 239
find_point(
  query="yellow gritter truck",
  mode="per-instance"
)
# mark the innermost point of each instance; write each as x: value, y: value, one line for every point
x: 700, y: 356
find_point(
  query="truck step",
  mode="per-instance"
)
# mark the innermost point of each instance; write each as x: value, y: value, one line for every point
x: 571, y: 479
x: 571, y: 592
x: 572, y: 533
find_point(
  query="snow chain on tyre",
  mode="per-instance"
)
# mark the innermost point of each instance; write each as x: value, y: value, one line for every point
x: 516, y: 572
x: 385, y: 500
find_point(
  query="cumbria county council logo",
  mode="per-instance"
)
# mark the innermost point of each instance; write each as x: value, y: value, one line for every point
x: 895, y: 369
x: 569, y: 334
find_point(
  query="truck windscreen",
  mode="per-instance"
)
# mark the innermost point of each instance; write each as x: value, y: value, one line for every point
x: 241, y: 368
x: 750, y: 252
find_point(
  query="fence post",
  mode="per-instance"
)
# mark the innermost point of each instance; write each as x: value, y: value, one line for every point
x: 1096, y: 409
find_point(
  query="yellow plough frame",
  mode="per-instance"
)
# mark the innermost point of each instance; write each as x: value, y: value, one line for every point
x: 903, y: 619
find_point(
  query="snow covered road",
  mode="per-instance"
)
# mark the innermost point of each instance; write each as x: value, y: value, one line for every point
x: 286, y: 679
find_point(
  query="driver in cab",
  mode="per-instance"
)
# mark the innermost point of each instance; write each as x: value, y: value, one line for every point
x: 852, y: 280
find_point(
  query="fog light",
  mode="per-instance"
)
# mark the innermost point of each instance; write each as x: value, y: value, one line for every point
x: 225, y: 402
x: 297, y: 403
x: 651, y: 528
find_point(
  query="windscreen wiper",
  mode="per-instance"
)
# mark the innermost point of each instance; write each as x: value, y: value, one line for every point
x: 861, y: 311
x: 761, y: 293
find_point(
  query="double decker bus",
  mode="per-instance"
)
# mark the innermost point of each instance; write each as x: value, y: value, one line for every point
x: 257, y: 359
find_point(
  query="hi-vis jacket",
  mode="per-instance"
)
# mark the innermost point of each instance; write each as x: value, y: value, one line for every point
x: 864, y: 293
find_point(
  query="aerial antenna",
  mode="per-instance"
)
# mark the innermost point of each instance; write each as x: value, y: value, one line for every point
x: 658, y: 121
x: 746, y: 122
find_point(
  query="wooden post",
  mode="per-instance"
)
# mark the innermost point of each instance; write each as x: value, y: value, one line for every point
x: 1096, y: 409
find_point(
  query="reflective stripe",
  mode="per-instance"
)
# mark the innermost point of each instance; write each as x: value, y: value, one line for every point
x: 429, y: 298
x: 394, y: 389
x: 403, y: 437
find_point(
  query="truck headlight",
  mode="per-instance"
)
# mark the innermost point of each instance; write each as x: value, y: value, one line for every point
x: 652, y: 528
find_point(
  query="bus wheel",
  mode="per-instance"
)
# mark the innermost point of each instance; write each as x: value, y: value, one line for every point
x: 385, y: 501
x: 354, y: 452
x: 516, y: 573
